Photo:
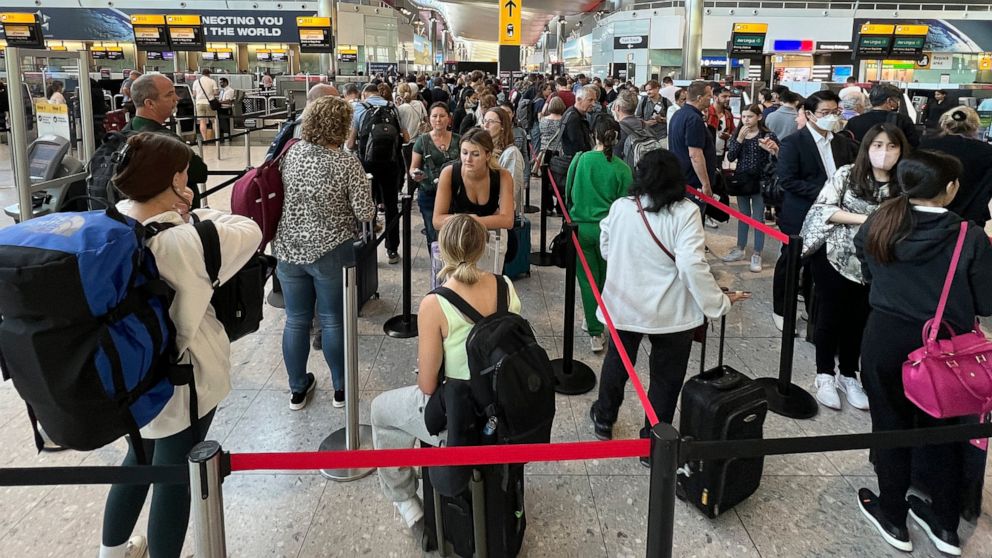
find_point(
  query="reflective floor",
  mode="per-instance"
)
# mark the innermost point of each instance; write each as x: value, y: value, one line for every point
x: 805, y: 507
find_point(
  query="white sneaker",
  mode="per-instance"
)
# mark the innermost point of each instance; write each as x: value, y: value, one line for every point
x: 411, y: 510
x: 735, y: 255
x: 597, y: 343
x: 856, y: 395
x: 779, y: 321
x: 755, y: 266
x: 826, y: 391
x: 137, y: 547
x: 711, y: 223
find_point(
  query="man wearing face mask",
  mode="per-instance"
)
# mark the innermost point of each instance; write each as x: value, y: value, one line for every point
x: 806, y: 160
x: 885, y: 99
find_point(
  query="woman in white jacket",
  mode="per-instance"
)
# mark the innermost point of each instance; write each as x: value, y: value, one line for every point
x: 153, y: 177
x: 664, y: 293
x: 498, y: 123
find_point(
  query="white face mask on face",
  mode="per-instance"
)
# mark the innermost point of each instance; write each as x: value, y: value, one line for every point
x: 884, y: 160
x: 829, y: 123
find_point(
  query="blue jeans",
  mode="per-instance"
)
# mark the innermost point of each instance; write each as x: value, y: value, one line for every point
x: 425, y: 200
x: 305, y: 286
x: 754, y: 207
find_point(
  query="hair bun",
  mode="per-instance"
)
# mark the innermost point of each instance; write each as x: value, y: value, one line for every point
x: 959, y: 116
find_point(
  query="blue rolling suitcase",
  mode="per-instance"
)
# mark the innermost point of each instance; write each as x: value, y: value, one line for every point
x: 517, y: 262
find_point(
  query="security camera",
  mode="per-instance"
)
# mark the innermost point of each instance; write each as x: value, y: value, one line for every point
x: 731, y: 12
x: 254, y: 6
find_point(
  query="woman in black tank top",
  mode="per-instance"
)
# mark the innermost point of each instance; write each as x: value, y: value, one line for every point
x: 473, y: 186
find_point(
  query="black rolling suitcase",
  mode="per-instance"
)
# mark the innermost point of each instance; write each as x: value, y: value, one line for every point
x: 489, y: 513
x: 720, y: 404
x: 367, y: 264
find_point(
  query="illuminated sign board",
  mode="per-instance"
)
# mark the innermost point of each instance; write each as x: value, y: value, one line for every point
x: 748, y: 39
x: 185, y: 33
x: 149, y: 32
x: 22, y: 30
x: 315, y: 34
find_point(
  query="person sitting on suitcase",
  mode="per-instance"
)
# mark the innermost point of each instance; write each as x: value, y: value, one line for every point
x: 398, y: 416
x: 477, y: 186
x: 658, y: 283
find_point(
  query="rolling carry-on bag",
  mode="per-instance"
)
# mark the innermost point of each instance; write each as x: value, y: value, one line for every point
x: 517, y: 262
x: 367, y: 265
x: 488, y: 514
x: 720, y: 404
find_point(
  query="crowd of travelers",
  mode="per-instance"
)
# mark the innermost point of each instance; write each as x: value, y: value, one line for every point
x: 878, y: 207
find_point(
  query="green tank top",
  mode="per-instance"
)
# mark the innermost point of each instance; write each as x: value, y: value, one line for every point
x: 455, y: 356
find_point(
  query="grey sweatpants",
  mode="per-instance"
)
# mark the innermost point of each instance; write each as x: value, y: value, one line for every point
x: 397, y: 423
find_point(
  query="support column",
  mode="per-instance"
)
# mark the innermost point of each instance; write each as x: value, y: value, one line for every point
x: 432, y: 36
x: 328, y: 61
x: 559, y: 45
x: 692, y: 53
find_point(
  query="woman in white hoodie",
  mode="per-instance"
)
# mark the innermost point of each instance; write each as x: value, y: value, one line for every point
x: 658, y: 283
x: 153, y: 177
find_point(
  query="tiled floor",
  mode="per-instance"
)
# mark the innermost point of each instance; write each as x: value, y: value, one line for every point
x: 805, y: 507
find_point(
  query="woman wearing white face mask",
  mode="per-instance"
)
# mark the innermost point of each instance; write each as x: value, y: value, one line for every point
x: 841, y: 297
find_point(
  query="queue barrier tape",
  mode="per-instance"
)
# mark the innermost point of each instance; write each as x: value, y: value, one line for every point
x: 621, y: 350
x: 442, y: 456
x: 781, y: 236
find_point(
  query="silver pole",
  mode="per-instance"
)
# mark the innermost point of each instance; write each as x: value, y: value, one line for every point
x: 692, y: 54
x: 354, y: 435
x: 559, y: 46
x: 247, y: 148
x: 328, y: 62
x: 207, y: 497
x: 544, y: 59
x: 86, y: 106
x: 18, y: 133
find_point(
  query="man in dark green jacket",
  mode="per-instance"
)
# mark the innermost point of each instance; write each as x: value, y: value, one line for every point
x: 155, y: 101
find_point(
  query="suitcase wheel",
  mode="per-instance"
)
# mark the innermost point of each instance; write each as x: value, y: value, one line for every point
x: 375, y: 296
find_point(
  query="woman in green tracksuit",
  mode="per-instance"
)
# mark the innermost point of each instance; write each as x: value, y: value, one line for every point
x: 595, y: 180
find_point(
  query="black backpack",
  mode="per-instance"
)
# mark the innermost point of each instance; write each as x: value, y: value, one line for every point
x: 102, y: 168
x: 379, y: 134
x: 525, y: 113
x: 512, y: 382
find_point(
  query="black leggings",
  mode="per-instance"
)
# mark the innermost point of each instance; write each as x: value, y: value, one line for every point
x: 168, y: 517
x: 839, y: 315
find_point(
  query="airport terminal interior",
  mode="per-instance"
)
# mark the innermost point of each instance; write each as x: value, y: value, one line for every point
x: 272, y: 53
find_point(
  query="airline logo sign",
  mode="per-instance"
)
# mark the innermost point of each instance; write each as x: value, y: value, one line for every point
x: 509, y: 22
x: 748, y: 39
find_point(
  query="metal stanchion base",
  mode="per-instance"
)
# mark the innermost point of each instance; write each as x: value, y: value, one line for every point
x: 581, y: 380
x: 797, y: 403
x: 401, y: 327
x: 338, y: 441
x: 541, y: 259
x: 531, y: 209
x: 275, y: 300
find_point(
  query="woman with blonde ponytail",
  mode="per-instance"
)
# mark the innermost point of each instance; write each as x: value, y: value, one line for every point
x: 398, y: 416
x: 595, y: 180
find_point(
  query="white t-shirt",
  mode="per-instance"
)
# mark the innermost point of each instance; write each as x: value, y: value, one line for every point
x: 227, y: 93
x: 204, y: 89
x: 668, y: 92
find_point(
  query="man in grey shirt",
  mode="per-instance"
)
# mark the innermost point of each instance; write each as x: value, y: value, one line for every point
x: 783, y: 121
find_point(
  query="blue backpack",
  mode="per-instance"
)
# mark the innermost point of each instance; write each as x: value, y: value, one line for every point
x: 85, y: 334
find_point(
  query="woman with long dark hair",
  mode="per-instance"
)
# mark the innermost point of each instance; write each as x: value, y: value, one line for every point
x: 840, y: 295
x: 906, y: 248
x: 595, y: 180
x: 651, y: 293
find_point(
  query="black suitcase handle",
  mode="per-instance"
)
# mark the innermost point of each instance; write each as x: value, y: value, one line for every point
x: 702, y: 349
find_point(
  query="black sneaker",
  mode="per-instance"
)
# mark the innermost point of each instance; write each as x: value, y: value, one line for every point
x: 392, y: 256
x: 946, y: 541
x: 895, y: 535
x: 300, y: 400
x: 603, y: 430
x: 338, y: 398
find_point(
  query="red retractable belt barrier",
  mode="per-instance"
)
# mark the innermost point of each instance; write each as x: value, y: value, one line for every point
x: 434, y: 457
x: 781, y: 236
x: 624, y: 357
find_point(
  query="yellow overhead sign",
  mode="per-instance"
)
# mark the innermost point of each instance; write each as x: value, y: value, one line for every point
x: 912, y: 29
x: 509, y: 21
x: 17, y: 17
x: 313, y: 22
x: 750, y: 28
x: 183, y: 20
x: 877, y: 29
x: 147, y: 19
x: 985, y: 62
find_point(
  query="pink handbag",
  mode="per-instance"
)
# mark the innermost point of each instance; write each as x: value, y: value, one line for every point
x: 950, y: 377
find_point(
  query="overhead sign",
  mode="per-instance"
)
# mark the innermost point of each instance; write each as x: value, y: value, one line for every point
x: 186, y: 32
x: 874, y: 40
x: 630, y: 42
x: 385, y: 68
x: 792, y: 46
x: 509, y: 22
x: 833, y: 47
x: 22, y: 30
x: 280, y: 55
x: 315, y: 34
x: 218, y: 54
x: 348, y: 55
x: 985, y: 62
x: 909, y: 41
x: 107, y: 53
x: 748, y: 39
x: 149, y: 32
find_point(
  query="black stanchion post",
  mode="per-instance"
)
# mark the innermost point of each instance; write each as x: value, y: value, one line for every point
x: 665, y: 449
x: 542, y: 258
x: 784, y: 397
x: 404, y: 326
x: 528, y: 208
x: 572, y: 377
